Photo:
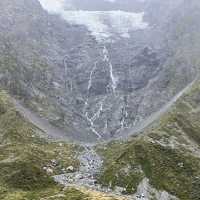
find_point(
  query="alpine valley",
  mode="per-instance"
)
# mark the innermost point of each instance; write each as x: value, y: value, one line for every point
x: 99, y: 100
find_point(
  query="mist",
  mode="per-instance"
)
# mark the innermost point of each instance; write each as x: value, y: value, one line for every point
x: 102, y: 24
x: 53, y: 6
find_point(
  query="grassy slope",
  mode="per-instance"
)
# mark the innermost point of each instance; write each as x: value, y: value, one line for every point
x: 23, y: 156
x: 168, y: 153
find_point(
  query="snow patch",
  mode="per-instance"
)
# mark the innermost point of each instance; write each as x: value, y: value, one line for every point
x: 101, y: 24
x: 53, y: 6
x: 105, y: 24
x: 112, y: 77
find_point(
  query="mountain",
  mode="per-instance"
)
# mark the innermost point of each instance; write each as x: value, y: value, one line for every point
x: 105, y: 87
x: 91, y: 72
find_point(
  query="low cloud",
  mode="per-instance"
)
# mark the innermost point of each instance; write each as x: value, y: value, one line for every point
x: 101, y: 24
x: 53, y: 6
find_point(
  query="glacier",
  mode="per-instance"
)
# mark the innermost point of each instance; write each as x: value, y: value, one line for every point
x: 101, y: 24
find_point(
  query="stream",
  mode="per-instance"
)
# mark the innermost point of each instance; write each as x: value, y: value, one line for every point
x: 90, y: 164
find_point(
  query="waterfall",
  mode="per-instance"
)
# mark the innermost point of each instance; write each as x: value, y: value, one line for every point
x: 112, y: 77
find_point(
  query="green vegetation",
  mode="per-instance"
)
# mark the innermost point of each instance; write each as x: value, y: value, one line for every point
x: 168, y: 153
x: 26, y: 176
x: 169, y: 169
x: 73, y: 194
x: 24, y: 156
x: 121, y: 168
x: 172, y: 170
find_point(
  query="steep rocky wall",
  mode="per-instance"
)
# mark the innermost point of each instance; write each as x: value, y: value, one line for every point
x: 79, y: 84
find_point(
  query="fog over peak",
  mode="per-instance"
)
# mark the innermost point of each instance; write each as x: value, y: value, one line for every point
x: 101, y: 24
x: 53, y: 6
x: 110, y: 1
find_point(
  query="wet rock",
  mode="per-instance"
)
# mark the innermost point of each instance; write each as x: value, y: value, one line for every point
x: 63, y: 170
x: 70, y: 169
x: 54, y: 162
x: 79, y: 176
x: 119, y: 189
x: 49, y: 171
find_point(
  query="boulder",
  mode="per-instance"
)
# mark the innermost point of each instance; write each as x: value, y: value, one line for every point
x: 70, y: 169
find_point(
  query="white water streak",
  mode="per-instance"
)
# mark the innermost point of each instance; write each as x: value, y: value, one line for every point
x: 91, y: 74
x: 114, y: 80
x: 97, y: 114
x: 112, y: 77
x: 92, y: 125
x: 124, y: 120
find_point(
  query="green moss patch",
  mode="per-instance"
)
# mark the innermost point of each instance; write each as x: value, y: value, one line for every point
x: 120, y: 168
x: 169, y: 169
x: 26, y: 176
x: 73, y: 194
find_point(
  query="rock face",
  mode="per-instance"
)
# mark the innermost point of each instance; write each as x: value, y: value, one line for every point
x: 87, y: 86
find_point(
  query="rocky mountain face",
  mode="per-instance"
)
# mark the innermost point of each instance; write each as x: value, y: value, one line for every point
x: 99, y: 74
x: 84, y: 84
